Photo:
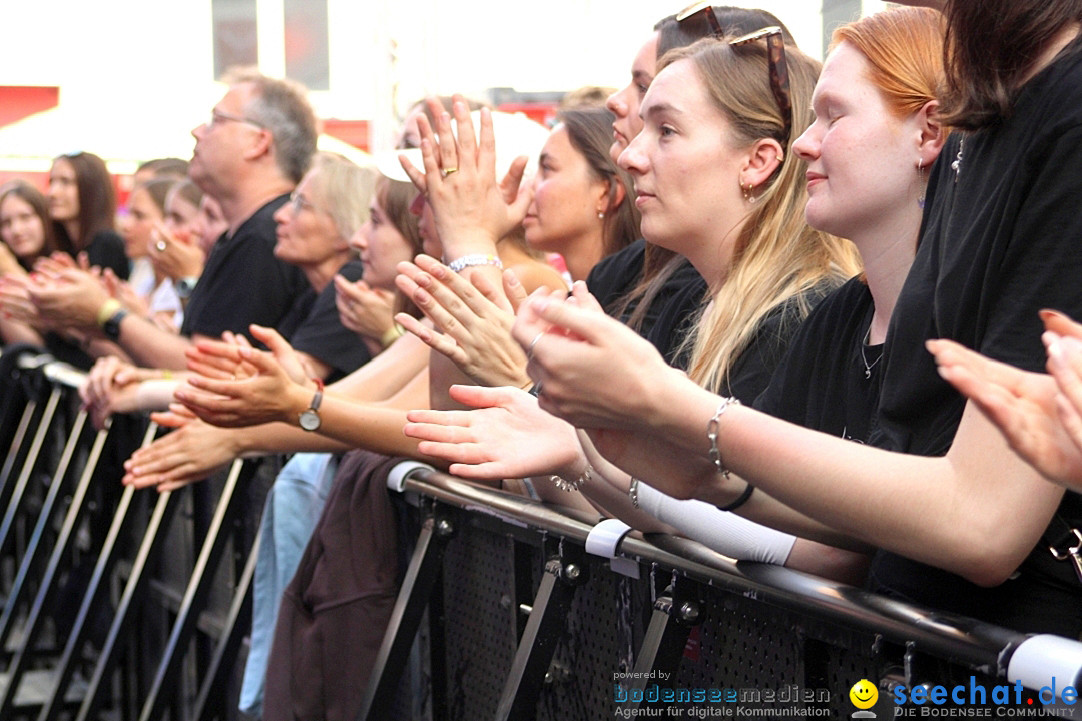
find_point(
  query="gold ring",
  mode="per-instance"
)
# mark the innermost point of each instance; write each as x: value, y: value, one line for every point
x: 448, y: 171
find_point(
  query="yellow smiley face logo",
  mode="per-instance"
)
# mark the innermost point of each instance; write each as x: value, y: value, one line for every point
x: 864, y: 694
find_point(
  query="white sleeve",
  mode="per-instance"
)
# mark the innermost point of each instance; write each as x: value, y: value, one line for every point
x: 727, y: 533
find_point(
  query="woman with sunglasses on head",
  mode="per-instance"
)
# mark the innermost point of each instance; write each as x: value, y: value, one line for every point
x: 963, y: 522
x: 652, y: 289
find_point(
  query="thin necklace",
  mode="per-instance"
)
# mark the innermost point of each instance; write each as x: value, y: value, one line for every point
x: 868, y: 366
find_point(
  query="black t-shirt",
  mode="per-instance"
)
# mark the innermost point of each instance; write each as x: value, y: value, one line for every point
x: 243, y: 283
x: 754, y: 367
x: 323, y: 336
x: 105, y: 250
x: 1000, y: 240
x: 829, y: 380
x: 673, y: 309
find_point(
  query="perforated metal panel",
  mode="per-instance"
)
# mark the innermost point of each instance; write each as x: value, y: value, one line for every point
x: 479, y: 623
x: 603, y: 630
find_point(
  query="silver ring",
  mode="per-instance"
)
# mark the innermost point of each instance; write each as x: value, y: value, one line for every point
x: 161, y: 245
x: 533, y: 344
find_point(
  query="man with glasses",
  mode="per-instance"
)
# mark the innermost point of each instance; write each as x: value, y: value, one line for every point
x: 249, y: 156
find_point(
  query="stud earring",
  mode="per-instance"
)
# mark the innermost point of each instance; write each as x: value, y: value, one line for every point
x: 600, y: 215
x: 747, y: 189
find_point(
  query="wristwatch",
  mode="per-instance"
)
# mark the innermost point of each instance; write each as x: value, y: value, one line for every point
x: 111, y: 327
x: 185, y: 286
x: 309, y: 419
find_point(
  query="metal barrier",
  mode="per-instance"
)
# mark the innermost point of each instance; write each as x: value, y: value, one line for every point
x: 527, y: 624
x: 519, y: 620
x: 47, y: 674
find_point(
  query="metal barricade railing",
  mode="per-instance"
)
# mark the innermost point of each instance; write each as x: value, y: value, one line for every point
x: 520, y: 621
x: 526, y: 624
x: 49, y: 677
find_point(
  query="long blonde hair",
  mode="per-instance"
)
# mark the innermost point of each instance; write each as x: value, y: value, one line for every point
x: 777, y: 257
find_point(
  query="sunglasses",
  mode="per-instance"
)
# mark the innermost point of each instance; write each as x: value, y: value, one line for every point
x: 701, y: 8
x: 778, y: 69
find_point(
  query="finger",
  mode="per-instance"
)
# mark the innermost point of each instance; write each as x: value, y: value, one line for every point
x: 447, y: 152
x: 516, y: 293
x: 439, y: 433
x: 416, y: 176
x: 1059, y: 323
x: 467, y: 454
x: 481, y: 396
x: 586, y: 299
x: 269, y: 337
x: 1065, y: 361
x: 442, y: 418
x: 467, y: 144
x: 486, y: 153
x: 569, y: 320
x: 511, y: 185
x: 439, y: 342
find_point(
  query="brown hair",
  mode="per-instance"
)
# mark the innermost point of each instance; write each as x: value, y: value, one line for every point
x: 395, y: 198
x: 40, y: 205
x: 97, y: 199
x: 990, y: 48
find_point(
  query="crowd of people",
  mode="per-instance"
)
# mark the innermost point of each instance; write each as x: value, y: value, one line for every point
x: 809, y: 314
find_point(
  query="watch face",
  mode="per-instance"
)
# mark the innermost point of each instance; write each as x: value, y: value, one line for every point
x: 310, y: 420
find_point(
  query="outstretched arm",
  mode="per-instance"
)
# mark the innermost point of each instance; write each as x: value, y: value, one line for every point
x: 976, y: 512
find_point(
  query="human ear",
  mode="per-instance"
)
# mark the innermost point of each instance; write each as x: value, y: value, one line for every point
x: 763, y: 158
x: 932, y: 132
x: 261, y: 145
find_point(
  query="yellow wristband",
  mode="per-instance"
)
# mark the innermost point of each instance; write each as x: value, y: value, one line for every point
x: 391, y: 335
x: 105, y: 312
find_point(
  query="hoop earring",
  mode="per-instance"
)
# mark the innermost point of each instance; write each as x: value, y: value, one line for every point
x: 923, y: 185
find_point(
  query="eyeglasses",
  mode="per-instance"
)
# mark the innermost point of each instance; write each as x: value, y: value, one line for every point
x: 298, y: 202
x: 779, y: 71
x: 704, y: 8
x: 217, y: 117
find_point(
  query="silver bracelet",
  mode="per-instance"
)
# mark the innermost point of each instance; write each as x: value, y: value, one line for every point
x: 633, y: 492
x: 469, y: 261
x: 574, y: 485
x: 712, y: 434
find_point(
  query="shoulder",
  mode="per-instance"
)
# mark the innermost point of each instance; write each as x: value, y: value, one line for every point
x: 533, y: 274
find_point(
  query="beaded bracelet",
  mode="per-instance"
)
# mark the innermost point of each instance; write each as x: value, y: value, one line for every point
x: 574, y: 485
x: 469, y: 261
x: 712, y: 434
x: 633, y: 492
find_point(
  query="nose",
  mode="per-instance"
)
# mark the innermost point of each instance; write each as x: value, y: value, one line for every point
x: 615, y: 103
x: 199, y: 130
x: 807, y: 145
x: 418, y: 205
x: 283, y: 215
x: 359, y: 240
x: 633, y: 159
